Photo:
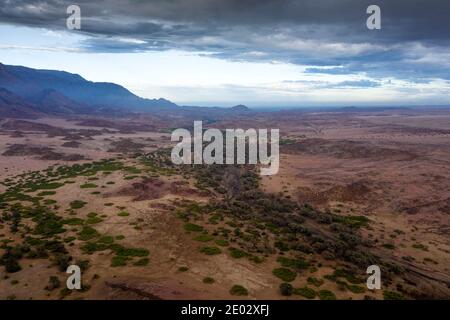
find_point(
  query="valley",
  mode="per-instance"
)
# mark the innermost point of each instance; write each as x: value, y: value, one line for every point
x: 355, y: 188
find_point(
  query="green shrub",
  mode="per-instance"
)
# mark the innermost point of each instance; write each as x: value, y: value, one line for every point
x: 284, y: 274
x: 183, y: 269
x: 48, y: 186
x: 293, y: 263
x: 11, y: 265
x: 46, y: 193
x: 255, y: 259
x: 77, y: 204
x: 420, y: 246
x: 192, y: 227
x: 142, y: 262
x: 222, y: 242
x: 237, y: 253
x: 119, y: 261
x: 106, y: 240
x: 326, y: 295
x: 355, y: 289
x: 88, y: 186
x: 238, y: 290
x: 282, y: 246
x: 64, y: 292
x: 74, y: 221
x: 314, y: 281
x: 210, y: 250
x: 392, y: 295
x: 87, y: 233
x: 53, y: 283
x: 208, y: 280
x: 204, y: 238
x: 123, y: 214
x: 94, y: 220
x: 129, y: 252
x: 306, y: 292
x: 286, y: 289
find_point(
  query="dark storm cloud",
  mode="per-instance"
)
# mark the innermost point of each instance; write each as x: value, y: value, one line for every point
x: 413, y: 43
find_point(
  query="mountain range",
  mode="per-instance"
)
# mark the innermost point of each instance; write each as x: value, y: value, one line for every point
x: 30, y: 92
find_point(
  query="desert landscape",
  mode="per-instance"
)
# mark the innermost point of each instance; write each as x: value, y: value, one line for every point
x: 218, y: 158
x: 356, y: 187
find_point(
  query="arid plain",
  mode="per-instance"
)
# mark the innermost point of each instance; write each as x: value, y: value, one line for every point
x: 376, y: 181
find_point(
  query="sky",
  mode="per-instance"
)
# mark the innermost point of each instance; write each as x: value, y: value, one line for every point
x: 262, y: 53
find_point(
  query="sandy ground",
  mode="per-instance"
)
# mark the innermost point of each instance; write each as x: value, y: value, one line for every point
x: 403, y: 195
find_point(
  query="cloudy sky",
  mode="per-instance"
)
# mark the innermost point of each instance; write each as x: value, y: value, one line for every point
x: 256, y: 52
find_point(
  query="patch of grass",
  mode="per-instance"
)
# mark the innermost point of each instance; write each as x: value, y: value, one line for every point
x: 46, y: 193
x: 420, y: 246
x: 77, y: 204
x: 208, y: 280
x: 106, y: 240
x: 74, y: 221
x: 133, y: 170
x: 351, y: 221
x: 87, y: 233
x: 88, y: 186
x: 119, y: 261
x: 69, y: 239
x: 94, y: 220
x: 191, y: 227
x: 392, y: 295
x: 210, y: 251
x: 285, y: 274
x: 123, y: 214
x: 306, y: 292
x: 314, y: 281
x: 141, y: 262
x: 238, y: 290
x: 286, y: 289
x: 237, y: 253
x: 326, y: 295
x: 282, y: 246
x: 222, y: 243
x: 48, y: 186
x: 130, y: 252
x: 355, y: 289
x: 204, y: 238
x: 120, y: 237
x: 64, y: 292
x: 293, y: 263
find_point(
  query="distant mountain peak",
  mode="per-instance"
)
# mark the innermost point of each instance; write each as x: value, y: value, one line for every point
x: 240, y: 108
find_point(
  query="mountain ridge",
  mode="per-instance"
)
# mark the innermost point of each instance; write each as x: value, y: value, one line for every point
x: 30, y: 83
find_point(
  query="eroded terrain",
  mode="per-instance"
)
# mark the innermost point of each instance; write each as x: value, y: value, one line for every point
x: 354, y: 189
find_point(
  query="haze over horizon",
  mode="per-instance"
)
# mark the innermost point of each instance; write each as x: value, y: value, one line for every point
x: 261, y: 54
